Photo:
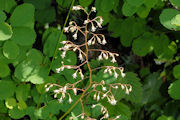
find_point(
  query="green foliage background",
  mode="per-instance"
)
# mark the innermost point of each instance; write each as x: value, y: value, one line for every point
x: 147, y: 33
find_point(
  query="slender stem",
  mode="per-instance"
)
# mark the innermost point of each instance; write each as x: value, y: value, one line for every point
x: 60, y: 37
x: 90, y: 78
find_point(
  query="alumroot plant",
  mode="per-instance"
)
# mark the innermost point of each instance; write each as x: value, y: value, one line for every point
x: 105, y: 92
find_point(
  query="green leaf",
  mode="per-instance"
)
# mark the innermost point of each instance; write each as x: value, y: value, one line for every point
x: 3, y: 108
x: 2, y: 16
x: 176, y: 20
x: 119, y: 109
x: 176, y: 71
x: 175, y: 2
x: 39, y: 4
x: 50, y: 43
x: 7, y: 89
x: 163, y: 117
x: 23, y: 36
x: 174, y: 90
x: 47, y: 15
x: 4, y: 69
x: 136, y: 3
x: 5, y: 31
x: 151, y: 88
x: 128, y: 9
x: 35, y: 56
x: 15, y: 113
x: 114, y: 27
x: 10, y: 103
x: 20, y: 18
x: 10, y: 50
x: 7, y: 5
x: 166, y: 17
x: 143, y: 11
x: 85, y: 3
x: 150, y: 3
x: 143, y: 45
x: 126, y: 32
x: 135, y: 96
x: 22, y: 92
x: 161, y: 48
x: 107, y: 6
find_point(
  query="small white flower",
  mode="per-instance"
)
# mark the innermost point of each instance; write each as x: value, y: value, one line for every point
x: 58, y: 70
x: 94, y: 97
x: 93, y: 9
x: 64, y: 42
x: 110, y: 72
x: 60, y: 100
x: 98, y: 39
x: 123, y: 74
x: 75, y: 36
x: 75, y: 91
x: 70, y: 100
x: 47, y: 89
x: 82, y: 76
x: 104, y: 41
x: 81, y: 57
x: 100, y: 57
x: 82, y: 117
x: 86, y: 21
x: 74, y: 75
x: 113, y: 101
x: 63, y: 54
x: 98, y: 97
x: 116, y: 87
x: 66, y: 29
x: 46, y: 26
x: 106, y: 115
x: 130, y: 89
x: 116, y: 75
x: 62, y: 68
x: 78, y: 7
x: 117, y: 117
x: 56, y: 91
x: 122, y: 87
x: 72, y: 29
x: 104, y: 95
x: 93, y: 28
x: 127, y: 91
x: 106, y: 70
x: 101, y: 20
x: 113, y: 60
x: 93, y: 106
x: 89, y: 42
x: 104, y: 88
x: 55, y: 95
x: 105, y: 56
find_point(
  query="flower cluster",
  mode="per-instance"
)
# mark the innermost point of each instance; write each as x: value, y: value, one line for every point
x: 105, y: 91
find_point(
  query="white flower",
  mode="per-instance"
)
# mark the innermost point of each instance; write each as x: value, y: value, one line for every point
x: 62, y: 68
x: 47, y: 89
x: 127, y: 91
x: 86, y: 21
x: 56, y: 91
x: 78, y: 7
x: 113, y: 60
x: 93, y: 9
x: 60, y: 100
x: 104, y: 88
x: 116, y: 75
x: 82, y: 117
x: 58, y: 70
x: 98, y: 97
x: 46, y: 26
x: 123, y: 74
x: 98, y: 39
x: 74, y: 75
x: 94, y: 97
x: 117, y: 117
x: 81, y: 57
x: 89, y: 42
x: 104, y: 41
x: 130, y: 89
x: 75, y: 91
x: 72, y: 29
x: 70, y: 100
x: 106, y: 115
x: 100, y: 57
x: 105, y: 56
x: 104, y: 95
x: 101, y: 20
x: 66, y: 29
x: 116, y: 87
x: 113, y: 101
x: 64, y: 42
x: 75, y: 36
x: 63, y: 54
x: 106, y: 70
x: 93, y: 28
x: 122, y: 87
x: 93, y: 106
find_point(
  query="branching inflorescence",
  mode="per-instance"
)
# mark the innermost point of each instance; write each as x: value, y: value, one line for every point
x: 106, y: 89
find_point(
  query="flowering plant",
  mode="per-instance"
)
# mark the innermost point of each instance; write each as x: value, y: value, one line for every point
x: 98, y: 90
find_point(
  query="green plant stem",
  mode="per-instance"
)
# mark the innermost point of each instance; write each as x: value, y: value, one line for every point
x: 60, y: 37
x: 90, y: 78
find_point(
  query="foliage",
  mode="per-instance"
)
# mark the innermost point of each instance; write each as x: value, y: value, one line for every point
x: 145, y: 33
